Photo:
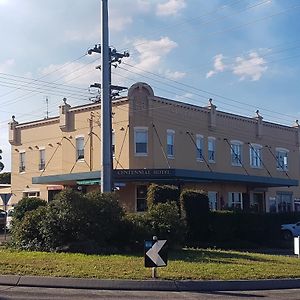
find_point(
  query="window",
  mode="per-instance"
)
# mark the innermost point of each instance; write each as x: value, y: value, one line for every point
x: 141, y: 198
x: 42, y: 159
x: 80, y: 148
x: 282, y: 159
x: 211, y: 149
x: 113, y: 143
x: 141, y: 141
x: 22, y: 162
x: 255, y: 156
x: 284, y: 202
x: 31, y: 194
x: 236, y: 153
x: 199, y: 150
x: 170, y: 143
x: 235, y: 200
x: 213, y: 200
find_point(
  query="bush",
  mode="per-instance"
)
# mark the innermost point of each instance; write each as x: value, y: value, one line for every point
x: 195, y: 211
x: 162, y: 194
x: 73, y: 222
x: 165, y: 223
x: 26, y: 205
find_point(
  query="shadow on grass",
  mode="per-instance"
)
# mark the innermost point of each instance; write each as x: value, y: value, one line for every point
x: 205, y: 256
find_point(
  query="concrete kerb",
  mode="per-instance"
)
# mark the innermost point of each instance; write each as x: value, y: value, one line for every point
x: 149, y: 285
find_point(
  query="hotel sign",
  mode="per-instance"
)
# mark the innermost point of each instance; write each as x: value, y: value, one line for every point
x: 144, y: 173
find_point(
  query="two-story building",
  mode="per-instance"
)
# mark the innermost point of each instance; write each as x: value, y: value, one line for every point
x: 241, y: 162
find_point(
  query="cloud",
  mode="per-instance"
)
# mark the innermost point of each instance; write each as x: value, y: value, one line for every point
x: 119, y: 22
x: 251, y: 67
x: 171, y: 7
x: 185, y: 97
x: 174, y: 75
x: 152, y: 51
x: 6, y: 65
x: 219, y: 66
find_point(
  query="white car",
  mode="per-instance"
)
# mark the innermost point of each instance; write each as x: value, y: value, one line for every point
x: 290, y: 230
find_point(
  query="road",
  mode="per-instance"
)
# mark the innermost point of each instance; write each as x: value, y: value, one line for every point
x: 24, y: 293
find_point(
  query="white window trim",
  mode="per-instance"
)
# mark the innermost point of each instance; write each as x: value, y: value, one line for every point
x: 79, y: 137
x: 171, y: 132
x: 136, y: 129
x: 211, y: 138
x: 239, y: 143
x: 201, y: 137
x: 280, y: 149
x: 22, y: 152
x: 255, y: 147
x: 42, y: 149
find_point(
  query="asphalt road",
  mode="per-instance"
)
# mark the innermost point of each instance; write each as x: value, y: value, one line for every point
x: 24, y: 293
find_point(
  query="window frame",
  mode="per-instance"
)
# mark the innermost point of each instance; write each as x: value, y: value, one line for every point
x: 256, y: 158
x: 236, y: 158
x: 79, y: 151
x: 285, y: 166
x: 42, y: 159
x: 199, y: 147
x: 22, y: 159
x: 144, y: 130
x: 137, y: 198
x: 171, y: 146
x: 234, y: 203
x: 211, y: 141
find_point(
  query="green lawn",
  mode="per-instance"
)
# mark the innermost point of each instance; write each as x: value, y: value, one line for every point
x: 185, y: 264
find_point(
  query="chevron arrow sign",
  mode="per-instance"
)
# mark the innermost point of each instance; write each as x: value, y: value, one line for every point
x: 156, y: 254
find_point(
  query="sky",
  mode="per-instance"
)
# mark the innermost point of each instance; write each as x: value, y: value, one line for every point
x: 242, y: 54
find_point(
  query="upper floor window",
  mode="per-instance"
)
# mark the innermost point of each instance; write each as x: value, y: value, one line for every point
x: 42, y: 161
x: 199, y: 150
x: 255, y: 156
x: 170, y: 142
x: 80, y: 148
x: 113, y: 143
x: 211, y: 149
x: 141, y: 141
x: 236, y: 153
x: 282, y: 159
x: 22, y: 162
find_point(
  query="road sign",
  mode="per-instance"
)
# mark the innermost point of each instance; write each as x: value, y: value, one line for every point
x: 156, y: 254
x: 5, y: 198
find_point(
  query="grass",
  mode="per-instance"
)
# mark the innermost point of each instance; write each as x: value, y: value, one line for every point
x: 185, y: 264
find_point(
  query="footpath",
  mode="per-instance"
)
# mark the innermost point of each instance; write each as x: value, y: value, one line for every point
x: 149, y: 285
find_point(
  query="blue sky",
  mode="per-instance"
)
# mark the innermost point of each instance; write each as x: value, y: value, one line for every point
x: 243, y: 54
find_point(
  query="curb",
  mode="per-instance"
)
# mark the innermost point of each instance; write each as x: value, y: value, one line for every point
x: 149, y: 285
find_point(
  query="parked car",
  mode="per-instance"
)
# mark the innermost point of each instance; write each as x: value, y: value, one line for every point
x: 290, y: 230
x: 2, y: 219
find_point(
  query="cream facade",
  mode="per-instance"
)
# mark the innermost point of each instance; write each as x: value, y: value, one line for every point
x: 241, y: 162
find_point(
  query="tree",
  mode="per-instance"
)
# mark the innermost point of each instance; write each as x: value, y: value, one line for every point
x: 5, y: 178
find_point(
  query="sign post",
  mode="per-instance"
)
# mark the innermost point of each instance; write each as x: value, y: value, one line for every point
x: 156, y: 254
x: 5, y: 198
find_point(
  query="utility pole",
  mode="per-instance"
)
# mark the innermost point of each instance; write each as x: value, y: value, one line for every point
x: 106, y: 127
x: 108, y: 56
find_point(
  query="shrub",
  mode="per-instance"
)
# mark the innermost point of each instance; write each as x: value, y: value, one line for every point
x: 165, y: 222
x: 195, y: 211
x: 26, y: 205
x: 162, y: 194
x: 73, y: 222
x: 26, y: 233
